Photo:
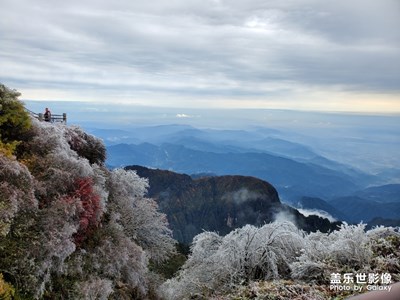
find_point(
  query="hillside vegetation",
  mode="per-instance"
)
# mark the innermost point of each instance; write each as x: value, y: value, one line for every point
x: 70, y: 228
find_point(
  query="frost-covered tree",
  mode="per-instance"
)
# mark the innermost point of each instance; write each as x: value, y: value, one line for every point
x: 95, y: 288
x: 86, y: 145
x: 248, y: 253
x: 349, y: 246
x: 54, y: 241
x: 120, y: 259
x: 281, y: 251
x: 16, y: 192
x: 138, y: 215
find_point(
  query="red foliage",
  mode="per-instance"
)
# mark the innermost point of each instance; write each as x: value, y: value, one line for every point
x: 91, y: 210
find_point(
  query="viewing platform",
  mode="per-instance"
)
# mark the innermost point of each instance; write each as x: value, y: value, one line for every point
x: 55, y: 118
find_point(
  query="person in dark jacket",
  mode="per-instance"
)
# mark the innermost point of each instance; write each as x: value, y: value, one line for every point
x: 47, y: 115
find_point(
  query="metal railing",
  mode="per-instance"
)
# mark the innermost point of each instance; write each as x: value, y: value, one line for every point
x: 53, y: 119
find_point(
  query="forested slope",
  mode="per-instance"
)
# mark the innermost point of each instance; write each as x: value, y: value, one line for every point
x: 70, y: 228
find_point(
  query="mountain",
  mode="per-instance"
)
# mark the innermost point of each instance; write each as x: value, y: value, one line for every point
x: 359, y: 209
x: 354, y: 209
x: 294, y: 169
x: 219, y: 203
x: 225, y: 141
x: 293, y: 179
x: 113, y: 136
x: 377, y: 205
x: 257, y: 140
x: 240, y: 146
x: 382, y: 194
x: 383, y: 222
x: 389, y: 175
x: 152, y: 134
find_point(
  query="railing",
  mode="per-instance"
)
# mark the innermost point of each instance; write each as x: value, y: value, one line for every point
x: 53, y: 119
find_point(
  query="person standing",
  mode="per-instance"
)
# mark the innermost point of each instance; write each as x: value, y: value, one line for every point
x: 47, y: 115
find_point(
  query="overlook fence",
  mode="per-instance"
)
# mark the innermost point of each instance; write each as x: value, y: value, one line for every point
x: 54, y: 117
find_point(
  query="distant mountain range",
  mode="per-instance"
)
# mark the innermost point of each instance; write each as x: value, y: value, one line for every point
x: 220, y: 203
x: 381, y: 194
x: 376, y: 205
x: 292, y: 178
x: 300, y: 174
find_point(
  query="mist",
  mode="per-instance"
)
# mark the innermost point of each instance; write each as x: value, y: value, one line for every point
x: 353, y: 139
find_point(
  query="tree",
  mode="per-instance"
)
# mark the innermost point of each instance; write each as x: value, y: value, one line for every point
x: 89, y: 208
x: 14, y: 121
x: 86, y: 145
x: 247, y: 253
x: 16, y: 192
x: 139, y: 216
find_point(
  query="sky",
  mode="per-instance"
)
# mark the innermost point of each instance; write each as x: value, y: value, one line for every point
x: 295, y: 54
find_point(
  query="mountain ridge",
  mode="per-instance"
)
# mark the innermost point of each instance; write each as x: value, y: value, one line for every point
x: 220, y: 203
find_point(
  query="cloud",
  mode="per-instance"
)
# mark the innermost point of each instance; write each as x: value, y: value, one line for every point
x: 316, y: 212
x: 242, y: 195
x: 183, y: 116
x: 188, y: 52
x: 285, y: 216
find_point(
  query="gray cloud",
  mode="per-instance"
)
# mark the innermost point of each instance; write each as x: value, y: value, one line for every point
x: 216, y: 48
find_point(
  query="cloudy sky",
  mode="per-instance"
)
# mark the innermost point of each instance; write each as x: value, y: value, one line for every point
x: 294, y: 54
